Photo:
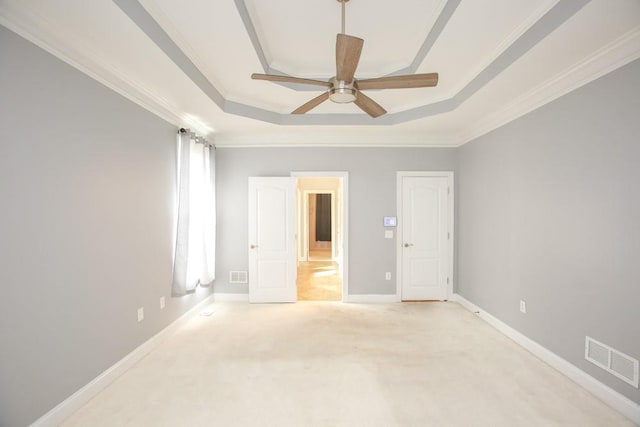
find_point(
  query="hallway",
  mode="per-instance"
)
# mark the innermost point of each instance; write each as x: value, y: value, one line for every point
x: 319, y: 280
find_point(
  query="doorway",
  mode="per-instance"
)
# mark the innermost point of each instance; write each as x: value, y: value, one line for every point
x: 319, y: 229
x: 321, y: 236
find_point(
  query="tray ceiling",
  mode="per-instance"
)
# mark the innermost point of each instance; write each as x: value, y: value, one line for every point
x: 191, y: 62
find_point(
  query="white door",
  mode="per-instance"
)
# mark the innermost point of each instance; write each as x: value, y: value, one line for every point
x: 272, y: 262
x: 426, y: 219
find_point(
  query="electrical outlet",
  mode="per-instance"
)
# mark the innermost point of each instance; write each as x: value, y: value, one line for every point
x: 523, y: 307
x: 387, y: 275
x: 161, y: 303
x: 140, y: 314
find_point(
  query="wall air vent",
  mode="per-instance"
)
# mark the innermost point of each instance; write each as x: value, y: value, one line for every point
x: 238, y: 277
x: 612, y: 361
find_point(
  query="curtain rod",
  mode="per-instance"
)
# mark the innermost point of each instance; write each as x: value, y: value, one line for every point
x: 198, y: 139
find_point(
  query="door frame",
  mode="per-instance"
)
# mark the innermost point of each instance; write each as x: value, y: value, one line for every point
x: 450, y: 204
x: 344, y: 265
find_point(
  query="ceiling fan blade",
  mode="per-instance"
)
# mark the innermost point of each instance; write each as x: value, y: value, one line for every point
x: 400, y: 82
x: 311, y: 104
x: 289, y: 79
x: 348, y: 50
x: 369, y: 106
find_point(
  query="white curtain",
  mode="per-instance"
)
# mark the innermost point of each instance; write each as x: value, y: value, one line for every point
x: 194, y: 261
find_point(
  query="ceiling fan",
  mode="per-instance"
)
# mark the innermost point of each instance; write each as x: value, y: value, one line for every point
x: 344, y: 87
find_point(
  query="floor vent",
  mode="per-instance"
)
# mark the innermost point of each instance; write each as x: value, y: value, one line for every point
x: 238, y: 277
x: 612, y: 361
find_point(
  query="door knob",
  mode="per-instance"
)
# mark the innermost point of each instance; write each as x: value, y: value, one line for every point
x: 406, y: 245
x: 254, y: 246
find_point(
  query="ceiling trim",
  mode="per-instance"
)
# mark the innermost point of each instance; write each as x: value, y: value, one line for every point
x: 62, y: 44
x: 253, y: 36
x: 504, y: 45
x: 58, y: 42
x: 434, y: 33
x: 165, y: 23
x: 556, y: 16
x: 332, y: 141
x: 616, y: 54
x: 140, y: 17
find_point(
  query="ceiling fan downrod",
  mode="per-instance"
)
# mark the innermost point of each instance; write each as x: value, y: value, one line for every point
x: 343, y: 13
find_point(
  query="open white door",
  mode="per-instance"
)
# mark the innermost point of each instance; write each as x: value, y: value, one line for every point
x: 426, y: 220
x: 272, y: 247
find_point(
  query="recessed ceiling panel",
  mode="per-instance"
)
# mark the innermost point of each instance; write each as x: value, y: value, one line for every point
x: 299, y: 37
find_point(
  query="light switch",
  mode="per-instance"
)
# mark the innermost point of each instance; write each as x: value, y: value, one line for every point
x: 388, y: 234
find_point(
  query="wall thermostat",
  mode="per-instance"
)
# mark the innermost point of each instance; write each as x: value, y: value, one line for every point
x: 390, y: 221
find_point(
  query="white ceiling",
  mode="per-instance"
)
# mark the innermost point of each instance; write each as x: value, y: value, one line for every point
x: 190, y: 62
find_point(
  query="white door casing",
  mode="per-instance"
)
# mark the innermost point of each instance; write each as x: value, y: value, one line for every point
x: 425, y: 237
x: 272, y: 246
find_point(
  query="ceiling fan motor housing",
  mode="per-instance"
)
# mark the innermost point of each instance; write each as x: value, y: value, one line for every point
x: 342, y: 92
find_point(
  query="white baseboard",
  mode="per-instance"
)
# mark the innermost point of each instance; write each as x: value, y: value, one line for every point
x: 619, y: 402
x: 371, y: 298
x: 220, y: 297
x: 78, y: 399
x: 358, y: 298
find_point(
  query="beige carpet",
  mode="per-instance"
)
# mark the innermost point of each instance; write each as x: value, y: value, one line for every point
x: 335, y: 364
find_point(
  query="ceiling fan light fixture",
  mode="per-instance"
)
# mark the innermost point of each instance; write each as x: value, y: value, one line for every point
x: 342, y: 95
x: 342, y: 92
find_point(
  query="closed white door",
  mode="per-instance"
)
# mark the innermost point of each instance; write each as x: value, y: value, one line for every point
x: 425, y: 239
x: 272, y: 262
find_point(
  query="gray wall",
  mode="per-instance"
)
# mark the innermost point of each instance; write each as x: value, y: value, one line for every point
x: 372, y: 195
x: 548, y: 213
x: 87, y: 195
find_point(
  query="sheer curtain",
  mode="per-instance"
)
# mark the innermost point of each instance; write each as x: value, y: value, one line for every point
x: 194, y: 261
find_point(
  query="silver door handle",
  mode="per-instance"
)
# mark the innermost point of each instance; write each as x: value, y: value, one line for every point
x: 406, y: 245
x: 254, y: 246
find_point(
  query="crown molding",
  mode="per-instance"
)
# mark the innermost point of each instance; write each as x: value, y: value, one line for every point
x: 181, y: 41
x: 332, y: 141
x: 616, y: 54
x: 57, y: 41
